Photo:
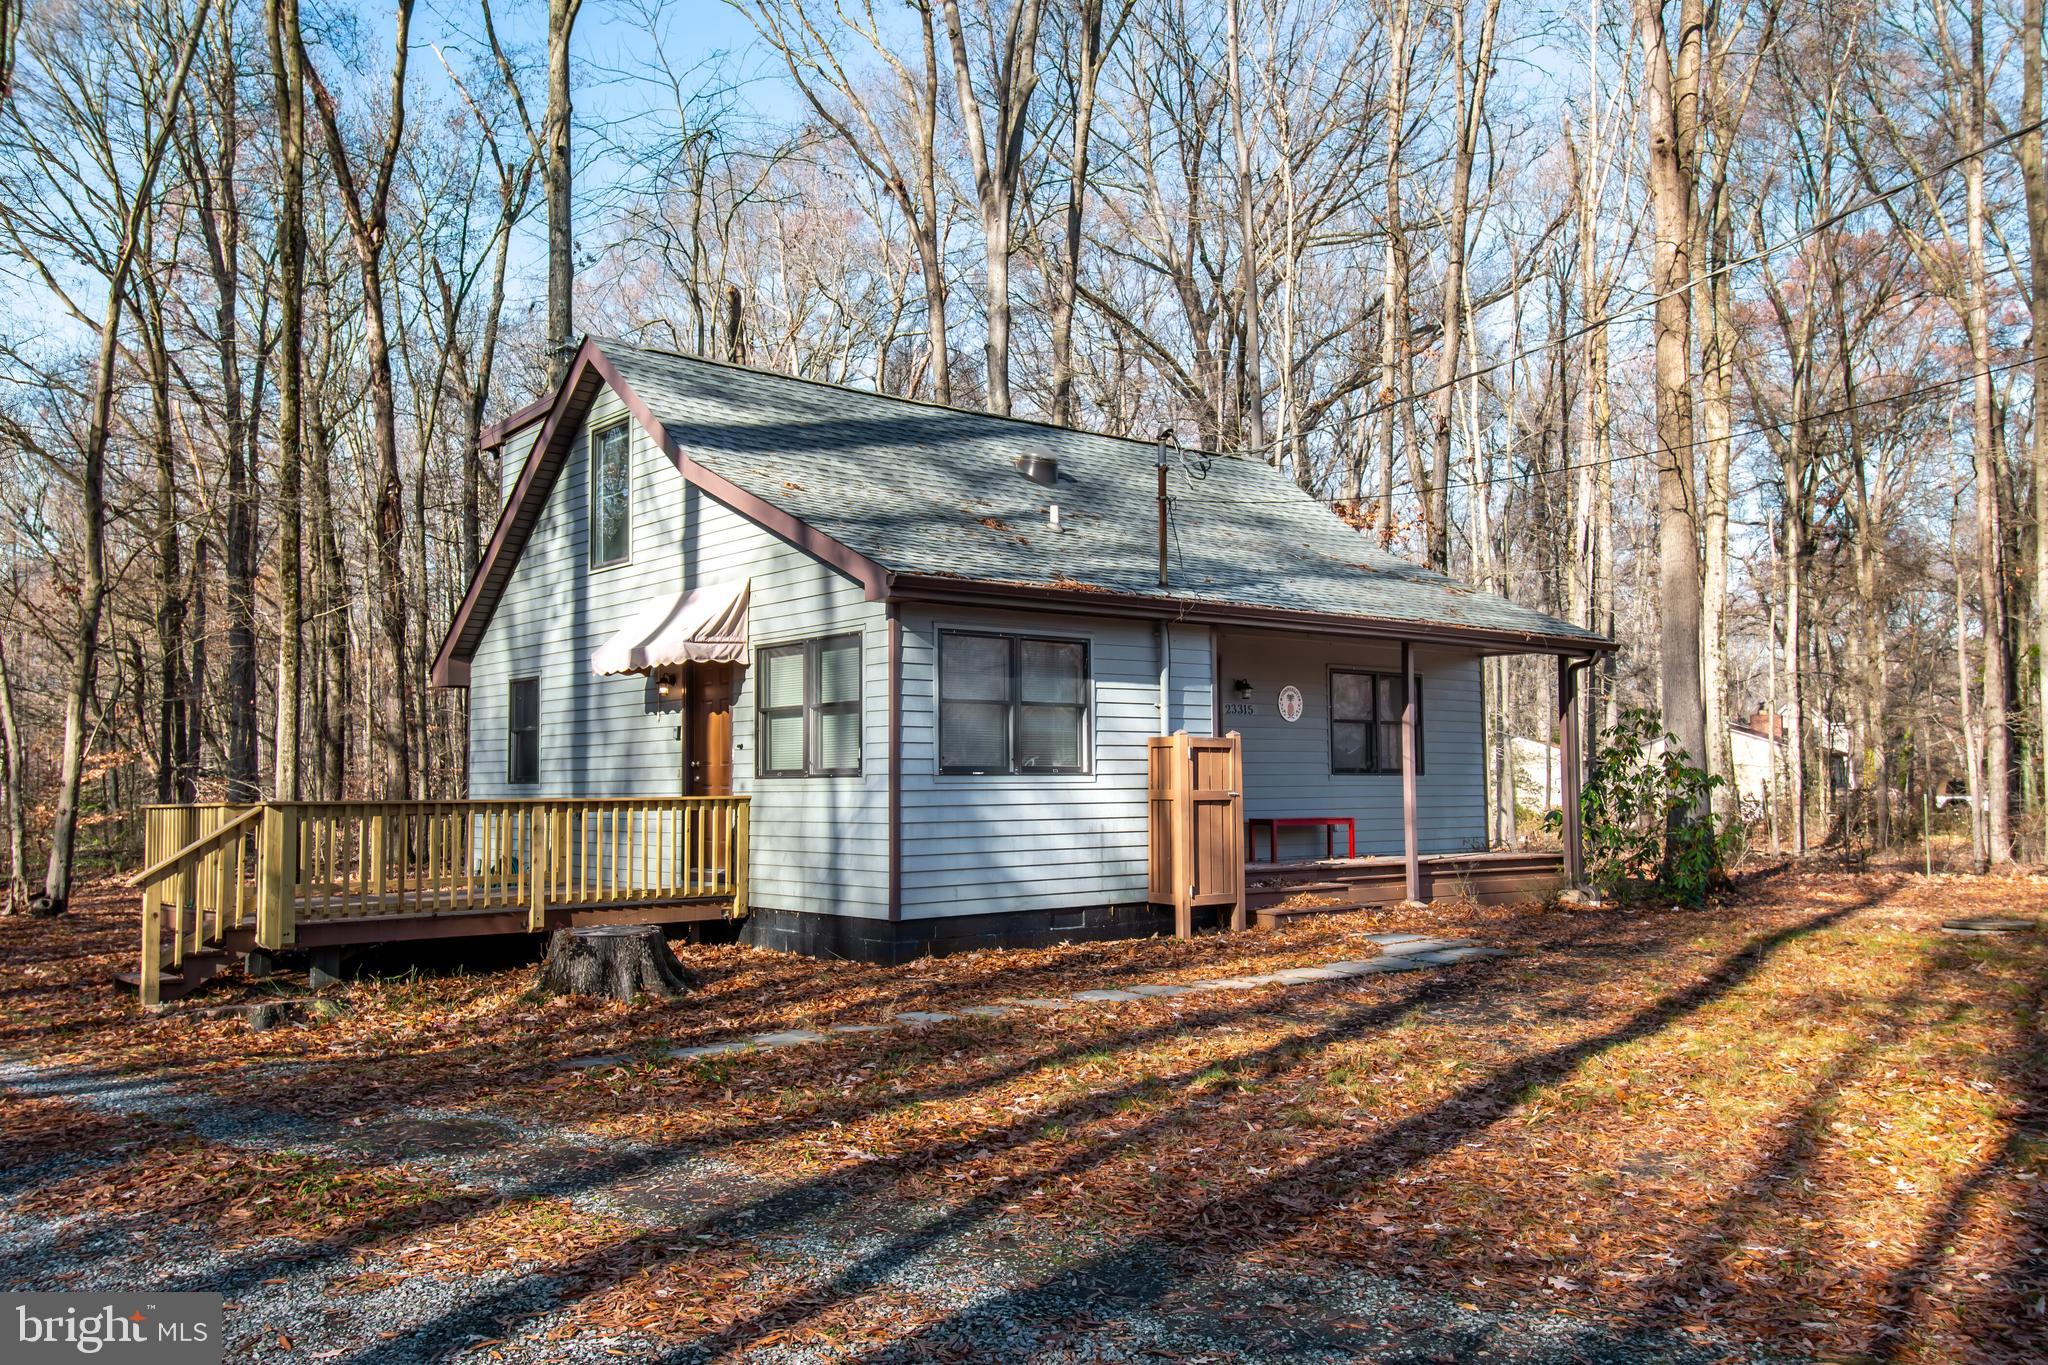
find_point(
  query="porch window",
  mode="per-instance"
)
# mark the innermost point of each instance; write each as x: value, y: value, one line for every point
x: 1365, y: 722
x: 611, y: 496
x: 1012, y: 704
x: 808, y: 703
x: 522, y: 749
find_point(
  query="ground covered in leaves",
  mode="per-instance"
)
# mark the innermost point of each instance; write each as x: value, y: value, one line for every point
x: 1803, y: 1122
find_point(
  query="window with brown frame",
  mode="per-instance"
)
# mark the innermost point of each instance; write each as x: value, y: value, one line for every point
x: 522, y: 733
x: 808, y: 707
x: 1012, y: 704
x: 1365, y: 722
x: 611, y: 496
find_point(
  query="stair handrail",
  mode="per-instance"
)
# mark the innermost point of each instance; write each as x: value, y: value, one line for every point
x: 165, y: 866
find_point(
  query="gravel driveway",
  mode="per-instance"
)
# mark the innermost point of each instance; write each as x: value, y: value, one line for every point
x: 969, y: 1290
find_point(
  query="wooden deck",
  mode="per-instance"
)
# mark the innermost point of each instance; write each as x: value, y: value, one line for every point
x: 222, y: 879
x: 1353, y: 883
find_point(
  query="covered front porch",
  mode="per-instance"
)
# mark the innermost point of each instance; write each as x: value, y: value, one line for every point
x: 1348, y: 771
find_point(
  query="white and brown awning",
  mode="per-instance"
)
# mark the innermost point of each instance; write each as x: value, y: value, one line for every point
x: 698, y: 625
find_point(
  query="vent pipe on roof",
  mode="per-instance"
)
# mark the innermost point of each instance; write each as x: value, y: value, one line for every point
x: 1039, y: 467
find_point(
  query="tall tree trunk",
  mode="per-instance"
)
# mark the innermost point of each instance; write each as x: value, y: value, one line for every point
x: 214, y: 176
x: 14, y: 755
x: 997, y: 158
x: 1087, y: 70
x: 1471, y: 115
x: 1249, y: 301
x: 1984, y: 451
x: 1395, y: 379
x: 331, y: 594
x: 1973, y: 764
x: 196, y: 678
x: 2034, y: 180
x: 556, y: 182
x: 289, y: 84
x: 1670, y: 94
x: 1717, y: 401
x: 170, y: 597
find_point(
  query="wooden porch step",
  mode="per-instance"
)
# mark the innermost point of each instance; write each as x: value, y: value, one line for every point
x: 1259, y: 896
x: 1272, y: 917
x: 178, y: 982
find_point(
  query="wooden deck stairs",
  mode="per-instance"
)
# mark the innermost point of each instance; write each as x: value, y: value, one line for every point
x: 220, y: 880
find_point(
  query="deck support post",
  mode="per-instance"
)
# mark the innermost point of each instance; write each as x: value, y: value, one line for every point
x: 1412, y: 847
x: 324, y: 968
x: 1569, y: 778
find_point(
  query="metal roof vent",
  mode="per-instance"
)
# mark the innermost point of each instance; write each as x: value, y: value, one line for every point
x: 1039, y: 467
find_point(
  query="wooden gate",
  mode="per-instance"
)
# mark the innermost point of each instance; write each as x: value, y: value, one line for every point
x: 1196, y: 791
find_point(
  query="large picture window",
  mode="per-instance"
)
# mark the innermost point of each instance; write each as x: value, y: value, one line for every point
x: 1012, y: 704
x: 611, y: 496
x: 1365, y: 722
x: 808, y: 707
x: 522, y: 733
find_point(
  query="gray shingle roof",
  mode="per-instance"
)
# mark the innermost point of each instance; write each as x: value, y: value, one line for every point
x: 933, y: 491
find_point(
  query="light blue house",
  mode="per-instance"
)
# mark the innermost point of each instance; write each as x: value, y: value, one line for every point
x: 933, y: 647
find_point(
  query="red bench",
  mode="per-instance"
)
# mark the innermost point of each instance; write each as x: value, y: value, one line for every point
x: 1273, y: 823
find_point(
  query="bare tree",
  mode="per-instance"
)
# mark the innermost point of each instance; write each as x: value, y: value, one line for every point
x: 289, y: 91
x: 996, y: 155
x: 1473, y: 75
x: 70, y: 61
x: 1250, y: 303
x: 367, y: 208
x: 556, y: 187
x: 866, y: 128
x: 1670, y: 112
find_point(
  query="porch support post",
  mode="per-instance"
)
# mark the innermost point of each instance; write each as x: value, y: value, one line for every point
x: 1569, y: 760
x: 1413, y: 847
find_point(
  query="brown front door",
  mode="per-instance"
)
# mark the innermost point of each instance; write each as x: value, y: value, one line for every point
x: 709, y: 755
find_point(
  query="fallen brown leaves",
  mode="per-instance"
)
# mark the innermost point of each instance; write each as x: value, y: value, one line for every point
x: 247, y: 1195
x: 1803, y: 1116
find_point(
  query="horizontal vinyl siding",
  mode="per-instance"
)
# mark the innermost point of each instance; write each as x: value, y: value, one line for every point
x: 818, y: 844
x: 975, y: 845
x: 1287, y: 766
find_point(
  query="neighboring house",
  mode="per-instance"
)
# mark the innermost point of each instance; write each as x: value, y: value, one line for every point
x: 932, y: 645
x: 1750, y: 748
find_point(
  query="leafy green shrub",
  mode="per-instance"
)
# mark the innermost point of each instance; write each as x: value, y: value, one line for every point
x: 1645, y: 809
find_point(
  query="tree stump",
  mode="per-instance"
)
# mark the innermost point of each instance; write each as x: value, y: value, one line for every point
x: 615, y: 961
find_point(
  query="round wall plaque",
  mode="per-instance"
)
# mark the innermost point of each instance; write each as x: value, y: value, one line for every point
x: 1290, y: 703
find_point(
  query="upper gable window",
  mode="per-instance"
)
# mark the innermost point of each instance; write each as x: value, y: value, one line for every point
x: 611, y: 496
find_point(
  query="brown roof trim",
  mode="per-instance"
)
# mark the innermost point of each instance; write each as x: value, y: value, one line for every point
x: 1087, y: 602
x: 588, y: 370
x: 515, y: 520
x: 496, y: 432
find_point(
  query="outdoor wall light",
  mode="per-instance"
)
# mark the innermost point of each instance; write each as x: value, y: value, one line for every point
x: 1243, y: 688
x: 667, y: 684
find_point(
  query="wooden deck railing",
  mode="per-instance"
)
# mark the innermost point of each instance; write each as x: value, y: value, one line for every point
x: 210, y: 869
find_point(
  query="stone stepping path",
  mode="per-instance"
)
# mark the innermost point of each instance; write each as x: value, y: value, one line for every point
x: 1398, y: 953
